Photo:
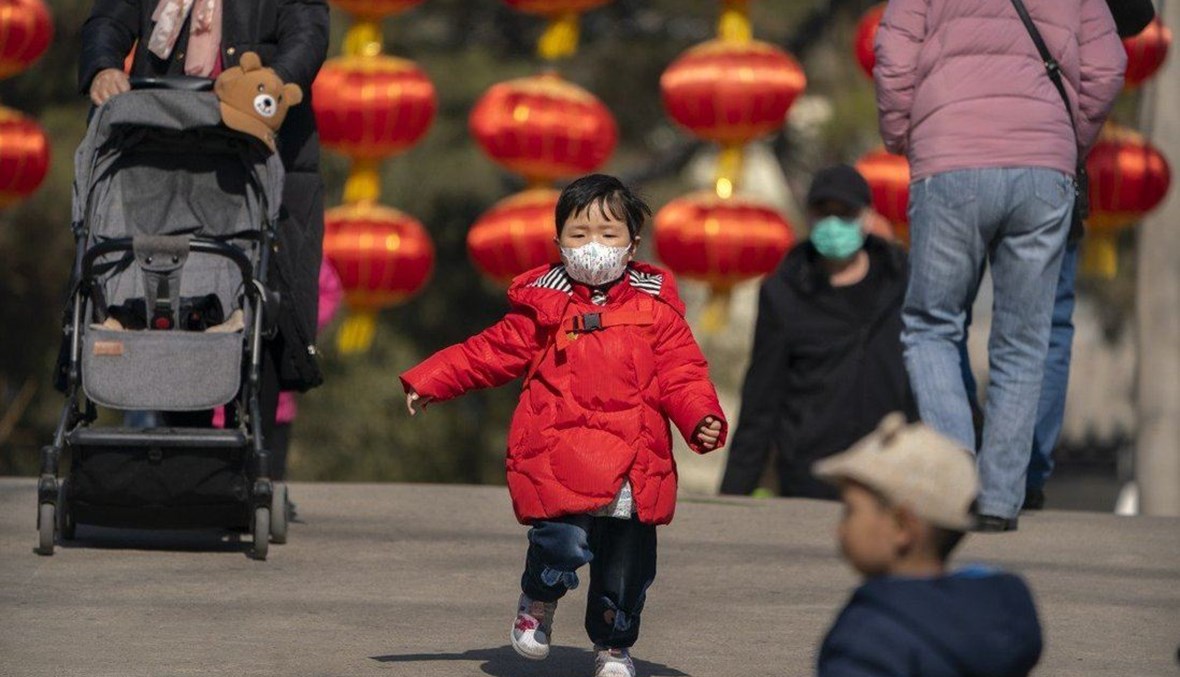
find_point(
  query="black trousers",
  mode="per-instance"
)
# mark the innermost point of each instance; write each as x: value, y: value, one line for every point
x: 622, y: 558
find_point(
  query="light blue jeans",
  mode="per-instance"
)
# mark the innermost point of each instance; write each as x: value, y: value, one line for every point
x: 1017, y: 219
x: 1051, y: 408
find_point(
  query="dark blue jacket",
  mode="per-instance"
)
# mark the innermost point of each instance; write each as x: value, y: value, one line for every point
x: 973, y: 623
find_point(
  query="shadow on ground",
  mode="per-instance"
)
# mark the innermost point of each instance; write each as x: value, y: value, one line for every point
x: 504, y: 662
x: 109, y: 538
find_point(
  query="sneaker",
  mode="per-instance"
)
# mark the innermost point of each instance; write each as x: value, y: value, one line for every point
x: 613, y: 662
x: 533, y: 627
x: 993, y: 524
x: 1034, y: 499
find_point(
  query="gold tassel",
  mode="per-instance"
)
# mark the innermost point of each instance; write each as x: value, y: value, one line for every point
x: 560, y: 38
x: 715, y: 316
x: 729, y: 170
x: 364, y: 38
x: 364, y: 182
x: 357, y: 332
x: 1100, y: 257
x: 734, y: 24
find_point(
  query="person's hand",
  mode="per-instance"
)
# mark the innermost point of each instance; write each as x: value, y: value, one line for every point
x: 108, y: 83
x: 411, y: 398
x: 708, y: 433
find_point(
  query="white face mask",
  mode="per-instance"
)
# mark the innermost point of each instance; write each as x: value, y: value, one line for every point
x: 595, y: 264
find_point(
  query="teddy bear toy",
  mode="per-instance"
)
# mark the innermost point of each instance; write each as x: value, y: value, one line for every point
x: 254, y: 99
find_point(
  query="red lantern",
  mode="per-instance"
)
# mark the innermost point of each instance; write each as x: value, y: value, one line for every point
x: 26, y: 30
x: 24, y: 156
x: 544, y: 127
x: 372, y: 107
x: 866, y: 36
x: 1128, y: 178
x: 554, y: 7
x: 372, y: 10
x: 516, y: 235
x: 731, y: 92
x: 383, y: 255
x: 1146, y: 52
x: 888, y: 176
x: 721, y: 241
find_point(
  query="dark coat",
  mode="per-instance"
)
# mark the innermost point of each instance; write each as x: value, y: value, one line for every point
x: 975, y: 623
x: 821, y: 376
x: 290, y: 36
x: 1131, y: 16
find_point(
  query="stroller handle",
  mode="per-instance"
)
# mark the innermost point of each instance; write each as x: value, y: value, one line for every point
x: 183, y: 83
x: 198, y: 244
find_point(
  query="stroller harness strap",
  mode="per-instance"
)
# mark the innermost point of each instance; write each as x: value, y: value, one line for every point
x: 161, y: 258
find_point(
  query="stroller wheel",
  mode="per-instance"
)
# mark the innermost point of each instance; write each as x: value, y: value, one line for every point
x: 65, y: 516
x: 278, y: 513
x: 261, y: 529
x: 47, y: 528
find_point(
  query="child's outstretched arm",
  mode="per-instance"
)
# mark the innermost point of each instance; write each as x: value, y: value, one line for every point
x: 687, y: 395
x: 491, y: 358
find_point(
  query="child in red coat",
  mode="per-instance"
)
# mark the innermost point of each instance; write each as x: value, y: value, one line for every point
x: 607, y: 360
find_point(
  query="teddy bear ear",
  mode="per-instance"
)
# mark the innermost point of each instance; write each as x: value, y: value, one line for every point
x: 292, y: 94
x: 250, y: 61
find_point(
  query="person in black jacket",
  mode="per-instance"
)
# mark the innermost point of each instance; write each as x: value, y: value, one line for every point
x: 290, y: 36
x: 827, y: 358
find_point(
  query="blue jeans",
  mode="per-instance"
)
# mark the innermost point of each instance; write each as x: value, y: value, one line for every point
x: 622, y: 558
x: 1018, y: 219
x: 1051, y: 408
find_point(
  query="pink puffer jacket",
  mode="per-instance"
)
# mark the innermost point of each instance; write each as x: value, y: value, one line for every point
x: 960, y: 85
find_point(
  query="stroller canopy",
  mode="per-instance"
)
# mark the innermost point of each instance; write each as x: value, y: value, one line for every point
x: 159, y: 162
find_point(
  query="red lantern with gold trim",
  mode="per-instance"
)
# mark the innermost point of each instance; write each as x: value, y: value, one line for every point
x: 384, y: 256
x: 1146, y: 52
x: 544, y: 127
x: 731, y: 92
x: 866, y: 37
x: 24, y: 156
x: 26, y: 29
x: 1129, y: 177
x: 372, y: 10
x: 888, y: 176
x: 516, y: 234
x: 372, y: 107
x: 721, y: 241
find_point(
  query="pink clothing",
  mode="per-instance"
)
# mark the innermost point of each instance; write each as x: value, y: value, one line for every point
x: 960, y: 85
x: 331, y: 294
x: 204, y: 41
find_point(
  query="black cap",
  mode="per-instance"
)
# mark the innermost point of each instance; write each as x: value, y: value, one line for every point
x: 841, y: 183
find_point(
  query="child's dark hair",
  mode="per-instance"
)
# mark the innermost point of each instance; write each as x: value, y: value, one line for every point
x: 608, y: 194
x: 945, y: 541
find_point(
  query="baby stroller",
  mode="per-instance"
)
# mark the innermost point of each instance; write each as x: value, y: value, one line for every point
x: 174, y: 216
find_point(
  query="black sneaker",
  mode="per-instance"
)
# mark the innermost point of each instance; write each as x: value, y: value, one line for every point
x: 1034, y: 499
x: 993, y: 524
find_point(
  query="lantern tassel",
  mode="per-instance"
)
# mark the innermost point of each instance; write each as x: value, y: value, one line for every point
x: 1100, y: 257
x: 364, y: 182
x: 729, y: 170
x: 715, y: 316
x: 357, y: 332
x: 364, y: 38
x: 734, y: 24
x: 560, y: 38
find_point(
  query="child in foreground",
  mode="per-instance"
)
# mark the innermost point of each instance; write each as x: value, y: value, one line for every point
x: 607, y: 359
x: 908, y: 494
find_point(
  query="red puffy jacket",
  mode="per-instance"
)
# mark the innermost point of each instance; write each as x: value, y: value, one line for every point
x: 601, y: 383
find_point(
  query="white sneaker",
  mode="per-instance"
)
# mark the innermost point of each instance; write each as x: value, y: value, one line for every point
x: 613, y: 663
x: 532, y: 629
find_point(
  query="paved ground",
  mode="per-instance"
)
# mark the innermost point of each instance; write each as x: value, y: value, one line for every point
x: 421, y: 580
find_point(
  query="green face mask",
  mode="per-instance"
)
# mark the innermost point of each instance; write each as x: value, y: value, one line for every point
x: 836, y: 238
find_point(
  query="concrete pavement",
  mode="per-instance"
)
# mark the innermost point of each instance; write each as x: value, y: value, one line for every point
x: 422, y: 580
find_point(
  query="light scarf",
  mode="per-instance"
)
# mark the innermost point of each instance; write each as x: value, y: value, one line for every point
x: 204, y: 41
